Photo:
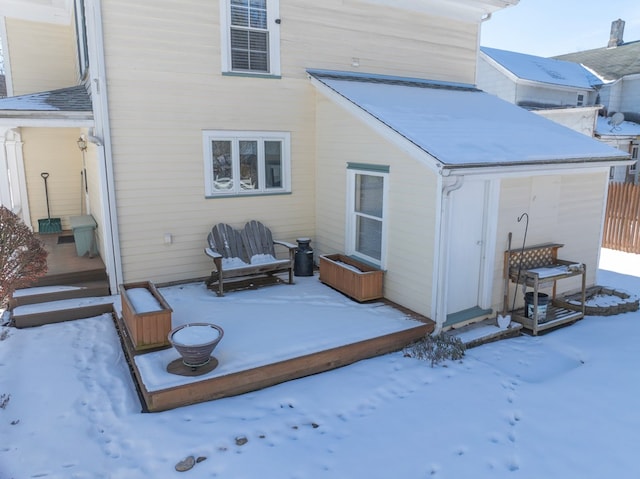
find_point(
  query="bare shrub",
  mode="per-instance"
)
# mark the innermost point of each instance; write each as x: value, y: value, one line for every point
x: 436, y: 349
x: 4, y: 400
x: 23, y: 258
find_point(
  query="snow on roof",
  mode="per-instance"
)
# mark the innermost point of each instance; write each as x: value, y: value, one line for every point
x: 544, y: 70
x: 626, y: 128
x: 73, y: 98
x: 462, y: 126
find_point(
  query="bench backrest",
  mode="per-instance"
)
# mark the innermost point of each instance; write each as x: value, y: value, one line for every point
x: 223, y: 239
x: 257, y: 239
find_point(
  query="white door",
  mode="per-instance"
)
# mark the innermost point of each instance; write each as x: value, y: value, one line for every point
x: 466, y: 248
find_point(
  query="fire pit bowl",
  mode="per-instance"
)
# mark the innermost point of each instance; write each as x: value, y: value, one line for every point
x: 195, y: 342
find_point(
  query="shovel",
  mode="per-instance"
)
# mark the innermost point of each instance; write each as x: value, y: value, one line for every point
x: 48, y: 225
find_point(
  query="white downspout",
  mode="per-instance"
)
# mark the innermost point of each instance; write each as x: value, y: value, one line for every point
x: 101, y: 136
x: 449, y: 184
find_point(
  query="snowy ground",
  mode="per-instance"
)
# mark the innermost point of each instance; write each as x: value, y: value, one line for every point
x: 563, y: 405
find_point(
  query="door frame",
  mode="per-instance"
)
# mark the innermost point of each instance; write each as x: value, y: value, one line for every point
x: 487, y: 267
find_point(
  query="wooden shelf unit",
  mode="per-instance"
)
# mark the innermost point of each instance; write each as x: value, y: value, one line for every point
x: 534, y: 260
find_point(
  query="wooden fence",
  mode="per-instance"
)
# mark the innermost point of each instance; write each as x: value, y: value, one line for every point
x: 622, y: 218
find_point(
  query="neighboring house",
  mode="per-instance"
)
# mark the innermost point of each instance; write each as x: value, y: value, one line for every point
x: 354, y: 123
x: 618, y: 66
x: 562, y: 91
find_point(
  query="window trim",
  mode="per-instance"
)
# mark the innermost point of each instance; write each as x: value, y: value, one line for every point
x: 273, y: 32
x: 235, y: 136
x: 354, y: 169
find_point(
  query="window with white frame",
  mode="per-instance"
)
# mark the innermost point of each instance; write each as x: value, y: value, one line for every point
x: 250, y: 36
x: 246, y: 163
x: 366, y: 212
x: 580, y: 100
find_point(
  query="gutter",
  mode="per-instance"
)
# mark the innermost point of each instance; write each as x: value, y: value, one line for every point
x: 441, y: 283
x: 102, y: 138
x: 539, y: 167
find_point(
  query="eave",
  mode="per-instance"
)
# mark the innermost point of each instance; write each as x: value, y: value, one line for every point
x: 472, y: 11
x: 67, y: 119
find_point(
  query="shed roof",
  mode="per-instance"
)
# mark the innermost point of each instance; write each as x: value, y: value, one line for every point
x: 604, y: 127
x: 543, y: 70
x: 610, y: 63
x: 461, y: 126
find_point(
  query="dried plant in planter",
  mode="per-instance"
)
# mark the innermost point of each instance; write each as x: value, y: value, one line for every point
x: 23, y: 258
x: 436, y: 349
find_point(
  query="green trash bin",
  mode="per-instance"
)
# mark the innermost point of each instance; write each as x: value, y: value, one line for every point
x: 84, y: 234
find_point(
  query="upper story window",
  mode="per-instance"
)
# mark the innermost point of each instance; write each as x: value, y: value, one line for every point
x: 250, y: 36
x: 239, y: 163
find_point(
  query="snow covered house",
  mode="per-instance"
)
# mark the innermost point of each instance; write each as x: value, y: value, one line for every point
x: 354, y: 123
x: 562, y: 91
x: 618, y: 66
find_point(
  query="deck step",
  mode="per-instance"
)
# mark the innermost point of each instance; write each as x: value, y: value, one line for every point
x: 39, y: 314
x: 46, y: 294
x: 483, y: 332
x: 98, y: 274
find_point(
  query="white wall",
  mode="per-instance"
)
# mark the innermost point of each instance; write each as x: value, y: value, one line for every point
x: 565, y: 209
x: 412, y: 205
x: 165, y: 86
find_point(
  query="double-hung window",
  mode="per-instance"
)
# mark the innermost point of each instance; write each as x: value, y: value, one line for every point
x: 366, y: 212
x: 246, y: 163
x: 250, y: 36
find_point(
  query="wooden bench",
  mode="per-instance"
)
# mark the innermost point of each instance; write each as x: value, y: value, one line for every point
x: 245, y: 253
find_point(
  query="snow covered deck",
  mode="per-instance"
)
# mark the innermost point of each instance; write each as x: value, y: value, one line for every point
x: 271, y: 335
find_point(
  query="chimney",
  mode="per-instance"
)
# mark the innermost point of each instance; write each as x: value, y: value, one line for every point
x: 617, y: 31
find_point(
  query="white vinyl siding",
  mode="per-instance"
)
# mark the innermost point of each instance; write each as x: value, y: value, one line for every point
x: 566, y: 209
x: 156, y: 129
x: 42, y: 56
x: 250, y: 39
x: 246, y: 163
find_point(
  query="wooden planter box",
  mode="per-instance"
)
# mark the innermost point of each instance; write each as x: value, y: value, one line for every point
x: 351, y: 277
x: 146, y: 329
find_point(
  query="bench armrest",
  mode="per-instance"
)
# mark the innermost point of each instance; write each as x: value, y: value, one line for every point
x: 285, y: 244
x: 212, y: 254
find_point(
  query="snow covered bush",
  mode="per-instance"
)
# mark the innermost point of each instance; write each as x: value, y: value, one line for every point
x: 436, y: 349
x: 23, y: 258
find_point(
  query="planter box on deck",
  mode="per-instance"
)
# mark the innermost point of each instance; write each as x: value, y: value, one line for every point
x: 147, y: 329
x: 351, y: 277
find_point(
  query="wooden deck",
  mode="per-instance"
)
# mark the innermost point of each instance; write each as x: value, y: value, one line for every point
x: 228, y: 380
x: 65, y: 267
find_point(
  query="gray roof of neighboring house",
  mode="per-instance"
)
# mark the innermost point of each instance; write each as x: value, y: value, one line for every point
x: 610, y: 63
x: 72, y: 99
x: 543, y: 70
x: 461, y: 126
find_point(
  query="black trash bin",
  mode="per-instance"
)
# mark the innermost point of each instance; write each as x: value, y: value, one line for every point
x: 303, y: 263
